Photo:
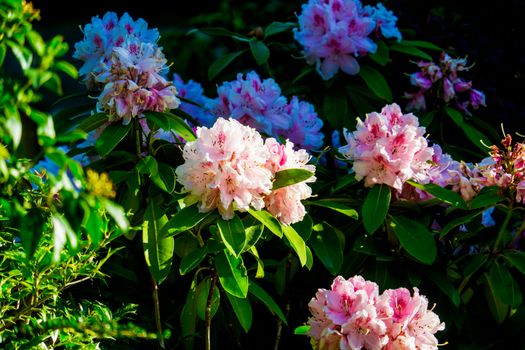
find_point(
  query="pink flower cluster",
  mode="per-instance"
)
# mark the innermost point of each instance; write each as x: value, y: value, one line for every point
x: 229, y: 167
x: 102, y: 35
x: 334, y: 33
x: 259, y: 104
x: 388, y: 148
x: 353, y: 315
x: 123, y: 59
x: 443, y: 81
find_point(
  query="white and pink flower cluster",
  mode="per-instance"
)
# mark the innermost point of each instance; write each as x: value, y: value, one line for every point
x: 259, y: 104
x: 443, y: 81
x: 353, y: 315
x: 229, y: 167
x: 334, y: 33
x: 123, y: 59
x: 388, y: 148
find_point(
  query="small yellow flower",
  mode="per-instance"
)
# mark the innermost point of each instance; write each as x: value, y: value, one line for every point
x: 99, y: 184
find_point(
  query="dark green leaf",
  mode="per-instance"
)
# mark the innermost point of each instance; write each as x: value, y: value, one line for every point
x: 375, y: 207
x: 517, y: 259
x: 278, y: 27
x: 290, y: 177
x: 504, y: 286
x: 188, y: 318
x: 184, y: 220
x: 221, y: 63
x: 243, y: 311
x: 422, y: 44
x: 3, y: 51
x: 267, y: 300
x: 368, y: 245
x: 445, y: 285
x: 201, y: 298
x: 473, y: 134
x: 268, y: 220
x: 304, y: 227
x: 344, y: 181
x: 31, y: 230
x: 339, y: 207
x: 415, y: 238
x: 335, y: 108
x: 232, y: 274
x: 110, y: 137
x: 382, y: 55
x: 232, y: 234
x: 487, y: 197
x: 327, y: 247
x: 166, y: 178
x: 376, y: 82
x: 410, y: 50
x: 498, y: 309
x: 296, y: 242
x: 170, y: 121
x: 458, y: 221
x: 192, y: 260
x: 446, y: 195
x: 158, y: 250
x: 260, y: 51
x: 148, y: 165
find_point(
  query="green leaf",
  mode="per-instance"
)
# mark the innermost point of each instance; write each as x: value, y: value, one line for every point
x: 339, y: 207
x: 32, y: 227
x: 192, y: 260
x: 410, y: 50
x: 67, y: 68
x: 158, y: 250
x: 13, y: 124
x: 445, y: 285
x: 232, y: 234
x: 446, y: 195
x: 504, y: 286
x: 221, y: 63
x: 260, y: 51
x: 335, y: 108
x: 267, y: 300
x: 110, y: 137
x: 498, y: 309
x: 375, y: 207
x: 184, y: 220
x: 62, y: 234
x: 232, y: 274
x: 268, y: 220
x: 3, y: 51
x: 376, y: 82
x: 278, y: 27
x: 327, y: 247
x: 422, y: 44
x: 487, y: 197
x: 302, y: 330
x: 188, y: 317
x: 117, y: 213
x: 290, y: 177
x: 243, y: 311
x: 260, y: 264
x: 382, y: 55
x: 166, y: 178
x: 517, y: 259
x: 297, y: 243
x: 172, y: 122
x: 201, y: 298
x: 22, y: 54
x: 148, y: 165
x: 457, y: 222
x: 415, y: 238
x: 473, y: 134
x: 344, y: 181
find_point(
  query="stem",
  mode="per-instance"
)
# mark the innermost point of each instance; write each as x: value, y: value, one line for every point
x: 501, y: 231
x: 208, y: 310
x: 138, y: 139
x: 157, y: 311
x: 267, y: 66
x: 287, y: 296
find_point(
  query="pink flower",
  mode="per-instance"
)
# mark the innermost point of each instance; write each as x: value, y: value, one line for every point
x: 448, y: 90
x: 477, y: 98
x: 424, y: 324
x: 420, y: 80
x: 388, y: 147
x: 305, y: 131
x: 226, y: 165
x: 285, y: 203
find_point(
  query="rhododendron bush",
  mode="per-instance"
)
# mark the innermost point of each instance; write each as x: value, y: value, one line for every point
x: 326, y: 182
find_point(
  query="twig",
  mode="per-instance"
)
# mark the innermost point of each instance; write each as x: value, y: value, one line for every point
x: 157, y: 311
x: 208, y: 310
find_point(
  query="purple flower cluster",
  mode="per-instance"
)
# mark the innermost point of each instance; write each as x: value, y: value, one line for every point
x: 194, y: 92
x: 259, y: 104
x: 334, y: 33
x: 123, y: 60
x: 443, y: 81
